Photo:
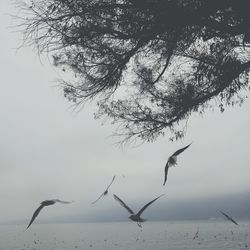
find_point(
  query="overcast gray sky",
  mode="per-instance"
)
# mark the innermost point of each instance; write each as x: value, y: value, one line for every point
x: 49, y: 151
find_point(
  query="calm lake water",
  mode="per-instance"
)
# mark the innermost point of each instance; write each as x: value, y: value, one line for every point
x: 126, y: 235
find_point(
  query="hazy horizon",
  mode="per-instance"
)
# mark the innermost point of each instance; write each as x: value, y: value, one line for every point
x: 236, y: 205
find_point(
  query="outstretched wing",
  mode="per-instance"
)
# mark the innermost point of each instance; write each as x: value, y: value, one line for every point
x: 111, y: 182
x: 35, y: 215
x: 98, y: 198
x: 123, y: 204
x: 64, y: 202
x: 180, y: 150
x: 141, y: 211
x: 229, y: 218
x: 166, y: 173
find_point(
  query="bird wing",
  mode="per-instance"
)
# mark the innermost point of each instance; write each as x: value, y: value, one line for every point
x: 123, y: 204
x: 64, y: 202
x: 97, y: 199
x: 229, y: 218
x: 166, y: 173
x: 180, y: 150
x: 141, y: 211
x: 111, y: 182
x: 35, y: 215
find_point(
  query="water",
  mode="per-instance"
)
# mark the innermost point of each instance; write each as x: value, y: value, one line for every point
x: 126, y: 235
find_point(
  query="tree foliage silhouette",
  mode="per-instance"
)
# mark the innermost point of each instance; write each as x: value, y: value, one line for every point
x: 151, y: 63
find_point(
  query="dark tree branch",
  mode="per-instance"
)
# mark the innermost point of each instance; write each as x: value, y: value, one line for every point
x: 173, y: 57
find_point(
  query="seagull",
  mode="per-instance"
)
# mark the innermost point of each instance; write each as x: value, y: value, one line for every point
x: 44, y: 204
x: 229, y: 218
x: 172, y: 161
x: 133, y: 216
x: 105, y: 192
x: 196, y: 234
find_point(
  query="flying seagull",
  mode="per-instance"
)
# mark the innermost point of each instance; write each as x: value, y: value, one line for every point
x: 44, y: 204
x: 196, y: 234
x: 229, y: 218
x: 133, y: 216
x: 105, y: 192
x: 172, y: 161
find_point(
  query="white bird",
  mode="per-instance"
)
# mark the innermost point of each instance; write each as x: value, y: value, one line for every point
x: 172, y: 161
x: 135, y: 217
x: 105, y: 192
x: 44, y: 204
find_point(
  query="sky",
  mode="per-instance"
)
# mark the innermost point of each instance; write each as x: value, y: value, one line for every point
x: 48, y: 150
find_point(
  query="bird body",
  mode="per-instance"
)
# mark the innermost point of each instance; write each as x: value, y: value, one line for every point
x: 136, y: 217
x: 172, y: 161
x: 48, y: 202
